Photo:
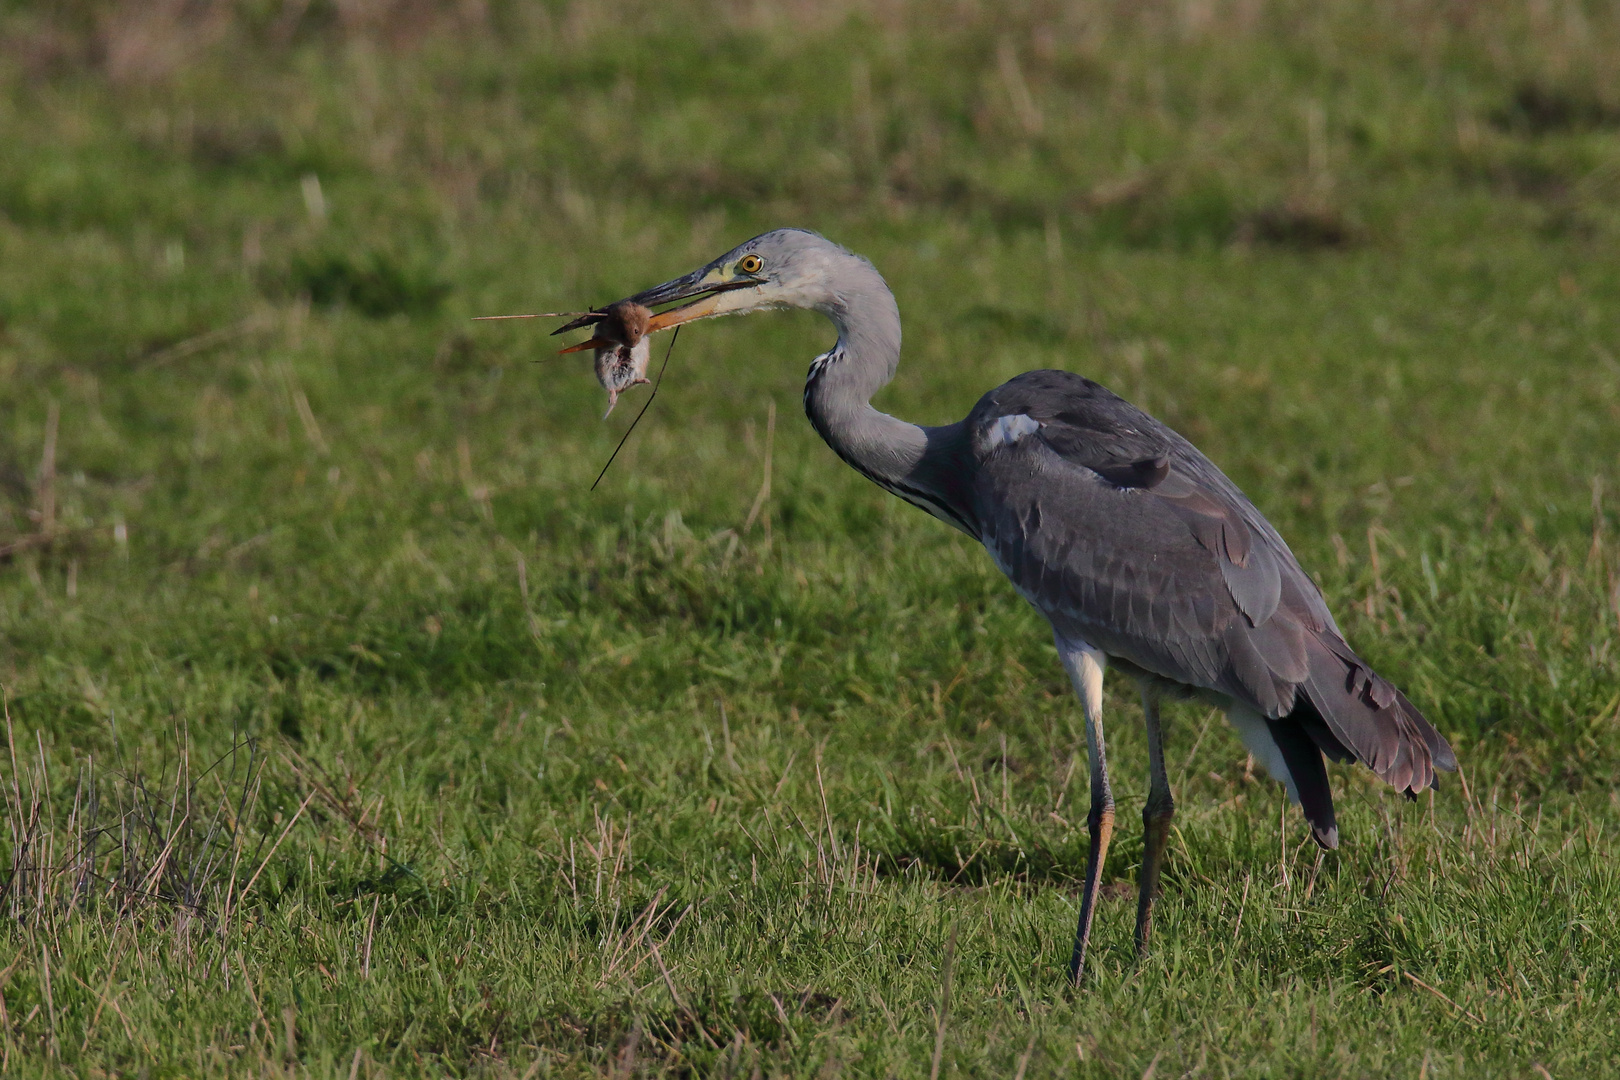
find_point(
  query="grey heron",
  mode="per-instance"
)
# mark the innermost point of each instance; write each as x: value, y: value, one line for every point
x: 1134, y: 546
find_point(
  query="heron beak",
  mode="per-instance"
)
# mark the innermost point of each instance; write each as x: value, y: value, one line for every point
x: 697, y: 309
x: 702, y: 288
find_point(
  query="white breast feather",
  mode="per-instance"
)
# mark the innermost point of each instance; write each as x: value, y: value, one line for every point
x: 1006, y: 430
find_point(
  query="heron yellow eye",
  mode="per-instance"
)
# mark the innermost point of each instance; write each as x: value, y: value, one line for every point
x: 750, y: 264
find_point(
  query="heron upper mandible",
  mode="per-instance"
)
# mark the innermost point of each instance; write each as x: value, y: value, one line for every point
x: 1136, y: 548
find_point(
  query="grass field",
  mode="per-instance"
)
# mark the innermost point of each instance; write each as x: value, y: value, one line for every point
x: 351, y: 735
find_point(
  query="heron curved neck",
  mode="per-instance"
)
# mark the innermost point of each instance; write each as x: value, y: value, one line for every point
x: 919, y: 464
x: 841, y: 382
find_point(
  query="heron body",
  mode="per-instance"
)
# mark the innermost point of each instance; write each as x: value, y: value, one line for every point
x: 1140, y: 553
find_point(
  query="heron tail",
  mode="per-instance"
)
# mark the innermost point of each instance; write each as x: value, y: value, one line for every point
x: 1343, y: 709
x: 1351, y: 713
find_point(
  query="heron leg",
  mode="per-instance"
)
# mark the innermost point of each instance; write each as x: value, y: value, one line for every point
x: 1156, y: 816
x: 1086, y: 666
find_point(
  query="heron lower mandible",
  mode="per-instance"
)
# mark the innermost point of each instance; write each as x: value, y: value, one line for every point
x: 1136, y: 548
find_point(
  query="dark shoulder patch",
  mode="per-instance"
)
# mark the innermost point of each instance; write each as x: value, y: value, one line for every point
x: 1146, y: 473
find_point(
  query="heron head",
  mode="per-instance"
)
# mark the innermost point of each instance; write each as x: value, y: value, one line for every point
x: 785, y: 268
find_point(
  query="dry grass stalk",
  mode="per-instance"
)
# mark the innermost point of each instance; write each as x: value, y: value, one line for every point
x: 944, y: 1002
x: 44, y: 493
x: 764, y: 495
x: 209, y: 339
x: 306, y: 416
x: 47, y: 472
x: 130, y: 845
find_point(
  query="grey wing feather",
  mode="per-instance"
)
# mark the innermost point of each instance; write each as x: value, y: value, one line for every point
x: 1248, y: 568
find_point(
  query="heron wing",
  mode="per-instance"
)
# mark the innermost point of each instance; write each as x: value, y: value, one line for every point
x: 1103, y: 516
x: 1126, y: 536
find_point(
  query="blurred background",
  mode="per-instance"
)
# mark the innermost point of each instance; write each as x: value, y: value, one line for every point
x: 262, y: 478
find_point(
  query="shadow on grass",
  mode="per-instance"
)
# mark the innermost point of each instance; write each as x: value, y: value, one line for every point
x: 628, y: 1036
x: 375, y: 284
x: 962, y: 854
x: 1537, y: 109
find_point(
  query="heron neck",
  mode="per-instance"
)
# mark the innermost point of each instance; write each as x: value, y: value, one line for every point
x: 839, y: 388
x: 917, y: 463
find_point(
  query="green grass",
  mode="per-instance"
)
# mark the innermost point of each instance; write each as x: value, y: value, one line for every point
x: 515, y: 779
